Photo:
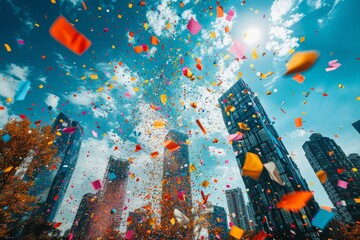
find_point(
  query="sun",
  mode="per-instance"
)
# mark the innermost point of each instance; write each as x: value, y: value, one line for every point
x: 252, y: 36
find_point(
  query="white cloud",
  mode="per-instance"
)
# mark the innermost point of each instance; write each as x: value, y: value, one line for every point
x: 52, y: 100
x: 218, y: 152
x: 280, y: 8
x: 158, y: 19
x: 281, y: 39
x: 18, y: 72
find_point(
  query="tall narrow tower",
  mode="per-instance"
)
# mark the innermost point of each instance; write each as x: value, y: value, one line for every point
x: 176, y: 188
x: 237, y: 208
x: 109, y: 209
x: 243, y: 112
x: 324, y: 154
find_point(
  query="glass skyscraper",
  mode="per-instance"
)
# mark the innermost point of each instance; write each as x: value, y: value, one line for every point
x: 176, y: 184
x: 218, y: 224
x: 68, y: 144
x: 324, y: 154
x: 356, y: 125
x: 109, y: 208
x: 237, y: 208
x: 240, y: 105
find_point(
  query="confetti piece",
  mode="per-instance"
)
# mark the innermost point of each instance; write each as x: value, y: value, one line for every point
x: 159, y: 124
x: 62, y: 31
x: 333, y: 65
x: 253, y: 166
x: 295, y: 201
x: 238, y: 49
x: 301, y: 61
x: 299, y: 78
x: 201, y: 126
x: 219, y: 12
x: 8, y: 48
x: 298, y: 122
x: 322, y: 176
x: 322, y: 218
x: 84, y: 5
x: 96, y: 184
x: 22, y: 90
x: 171, y: 145
x: 230, y: 15
x: 236, y: 232
x: 193, y: 26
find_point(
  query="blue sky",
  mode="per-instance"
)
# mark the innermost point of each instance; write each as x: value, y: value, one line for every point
x: 61, y: 79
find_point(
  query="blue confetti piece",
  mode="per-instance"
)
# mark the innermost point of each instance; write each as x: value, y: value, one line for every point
x: 6, y: 137
x: 112, y: 176
x: 322, y: 218
x: 22, y: 90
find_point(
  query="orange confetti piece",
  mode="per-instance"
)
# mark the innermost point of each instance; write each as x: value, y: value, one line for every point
x: 298, y: 122
x: 299, y: 78
x: 201, y: 126
x: 295, y: 201
x: 84, y: 5
x: 154, y: 40
x: 171, y: 145
x: 63, y: 32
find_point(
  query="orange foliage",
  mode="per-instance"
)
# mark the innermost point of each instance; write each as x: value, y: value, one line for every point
x: 26, y: 152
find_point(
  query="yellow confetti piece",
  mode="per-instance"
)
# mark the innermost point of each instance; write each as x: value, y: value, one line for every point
x: 9, y: 100
x: 302, y: 39
x: 99, y: 8
x: 213, y: 35
x: 130, y: 5
x: 94, y: 76
x: 136, y: 89
x: 8, y: 169
x: 146, y: 26
x: 227, y: 56
x: 37, y: 25
x: 50, y: 143
x: 254, y: 54
x: 41, y: 86
x: 58, y: 133
x: 113, y: 46
x: 133, y: 79
x: 100, y: 89
x: 83, y: 77
x: 354, y: 169
x: 168, y: 25
x: 172, y: 221
x: 291, y: 51
x: 358, y: 98
x: 8, y: 48
x: 119, y: 16
x: 163, y: 98
x: 53, y: 1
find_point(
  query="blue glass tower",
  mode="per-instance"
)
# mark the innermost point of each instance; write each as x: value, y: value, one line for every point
x: 324, y: 154
x: 68, y: 145
x: 240, y: 105
x: 237, y: 208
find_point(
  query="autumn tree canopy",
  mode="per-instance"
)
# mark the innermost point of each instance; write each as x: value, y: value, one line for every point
x: 23, y: 151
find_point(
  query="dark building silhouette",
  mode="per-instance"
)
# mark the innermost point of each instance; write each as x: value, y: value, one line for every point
x: 237, y: 208
x: 324, y: 154
x: 251, y: 217
x: 354, y: 158
x: 218, y: 224
x: 68, y: 144
x: 176, y: 182
x: 81, y: 225
x: 109, y: 208
x: 240, y: 105
x: 356, y: 125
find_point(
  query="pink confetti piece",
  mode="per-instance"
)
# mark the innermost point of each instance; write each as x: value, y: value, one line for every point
x: 230, y: 15
x: 238, y: 49
x: 127, y: 94
x: 96, y: 184
x: 94, y: 133
x: 342, y: 184
x: 193, y: 26
x: 333, y: 65
x: 20, y: 41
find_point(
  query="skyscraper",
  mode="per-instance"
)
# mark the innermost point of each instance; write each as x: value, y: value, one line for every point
x: 242, y: 112
x: 251, y: 217
x: 354, y: 158
x: 356, y: 125
x: 218, y: 224
x: 342, y: 184
x: 68, y: 144
x: 108, y: 212
x: 237, y: 208
x: 176, y: 188
x: 84, y: 215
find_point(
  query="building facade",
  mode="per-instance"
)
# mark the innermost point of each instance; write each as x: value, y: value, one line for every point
x: 324, y: 154
x: 251, y: 217
x: 242, y: 112
x: 81, y: 226
x: 218, y: 224
x: 237, y: 208
x: 176, y: 188
x: 354, y: 158
x: 69, y: 144
x: 356, y: 125
x: 108, y: 212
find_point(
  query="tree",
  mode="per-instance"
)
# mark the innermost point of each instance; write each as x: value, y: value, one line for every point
x: 23, y: 151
